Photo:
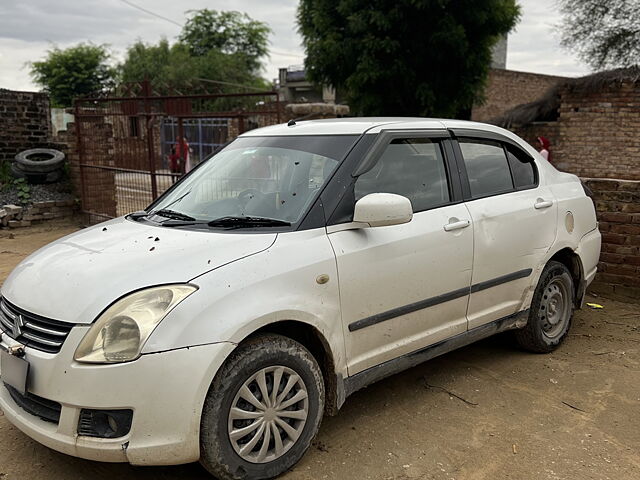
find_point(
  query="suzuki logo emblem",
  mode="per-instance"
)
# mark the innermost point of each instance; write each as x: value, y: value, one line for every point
x: 16, y: 329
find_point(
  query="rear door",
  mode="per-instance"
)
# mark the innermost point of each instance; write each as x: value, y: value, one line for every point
x: 514, y: 222
x: 404, y: 287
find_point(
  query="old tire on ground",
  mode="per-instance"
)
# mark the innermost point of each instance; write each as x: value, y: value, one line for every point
x: 551, y: 310
x: 262, y: 410
x: 40, y: 160
x: 36, y: 178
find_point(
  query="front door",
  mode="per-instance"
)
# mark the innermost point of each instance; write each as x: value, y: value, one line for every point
x: 404, y: 287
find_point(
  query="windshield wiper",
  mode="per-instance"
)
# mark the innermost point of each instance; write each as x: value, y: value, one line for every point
x: 229, y: 222
x: 173, y: 215
x: 182, y: 223
x: 138, y: 215
x: 242, y: 222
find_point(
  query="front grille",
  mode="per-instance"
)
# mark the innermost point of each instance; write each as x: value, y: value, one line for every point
x: 47, y: 410
x: 33, y: 330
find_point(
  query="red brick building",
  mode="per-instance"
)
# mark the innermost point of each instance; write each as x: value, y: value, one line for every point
x: 507, y: 89
x: 593, y: 124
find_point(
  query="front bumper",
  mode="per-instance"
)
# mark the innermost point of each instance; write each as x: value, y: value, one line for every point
x: 166, y: 392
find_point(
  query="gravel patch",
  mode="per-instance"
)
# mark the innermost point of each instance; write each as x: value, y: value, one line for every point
x: 39, y: 193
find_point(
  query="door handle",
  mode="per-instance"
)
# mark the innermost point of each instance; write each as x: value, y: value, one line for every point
x: 541, y: 203
x: 456, y: 225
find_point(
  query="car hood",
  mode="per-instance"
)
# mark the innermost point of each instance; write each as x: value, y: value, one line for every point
x: 75, y: 278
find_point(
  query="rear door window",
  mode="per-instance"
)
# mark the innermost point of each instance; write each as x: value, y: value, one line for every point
x: 487, y: 167
x: 522, y: 168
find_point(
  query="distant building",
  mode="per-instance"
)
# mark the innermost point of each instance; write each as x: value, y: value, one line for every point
x: 499, y: 54
x: 306, y: 100
x: 294, y: 87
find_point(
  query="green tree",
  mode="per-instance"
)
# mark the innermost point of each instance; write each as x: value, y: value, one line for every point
x: 162, y: 63
x: 404, y: 57
x: 225, y: 48
x: 233, y: 33
x: 173, y: 67
x: 73, y: 72
x: 604, y: 33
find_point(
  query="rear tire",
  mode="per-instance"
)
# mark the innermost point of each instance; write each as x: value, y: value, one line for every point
x: 551, y: 310
x: 251, y: 428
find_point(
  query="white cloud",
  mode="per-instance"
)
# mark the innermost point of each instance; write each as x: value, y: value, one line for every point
x: 14, y: 54
x: 30, y: 28
x: 535, y: 44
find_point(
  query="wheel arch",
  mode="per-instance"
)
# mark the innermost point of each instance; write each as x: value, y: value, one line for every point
x: 314, y: 341
x: 570, y: 259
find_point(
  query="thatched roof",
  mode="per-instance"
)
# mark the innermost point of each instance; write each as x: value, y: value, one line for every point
x: 546, y: 108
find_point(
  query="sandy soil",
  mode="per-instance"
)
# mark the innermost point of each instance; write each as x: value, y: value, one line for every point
x: 486, y: 412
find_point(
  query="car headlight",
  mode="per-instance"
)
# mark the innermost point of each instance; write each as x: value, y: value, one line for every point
x: 122, y: 330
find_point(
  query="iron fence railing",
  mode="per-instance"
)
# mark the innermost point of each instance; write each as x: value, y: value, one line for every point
x: 124, y: 143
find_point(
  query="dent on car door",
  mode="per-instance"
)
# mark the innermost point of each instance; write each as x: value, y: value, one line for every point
x: 514, y: 220
x: 405, y: 286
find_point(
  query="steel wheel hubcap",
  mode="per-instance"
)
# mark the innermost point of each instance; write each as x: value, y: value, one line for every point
x: 554, y: 309
x: 268, y: 414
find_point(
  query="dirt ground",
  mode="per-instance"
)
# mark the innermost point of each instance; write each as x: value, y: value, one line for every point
x: 486, y: 412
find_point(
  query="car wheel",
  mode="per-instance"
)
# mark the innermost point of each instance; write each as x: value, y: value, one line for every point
x: 262, y: 410
x: 551, y: 310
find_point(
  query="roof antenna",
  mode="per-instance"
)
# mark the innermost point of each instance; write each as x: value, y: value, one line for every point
x: 291, y: 123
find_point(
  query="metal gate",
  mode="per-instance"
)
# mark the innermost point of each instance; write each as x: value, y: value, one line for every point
x: 132, y: 148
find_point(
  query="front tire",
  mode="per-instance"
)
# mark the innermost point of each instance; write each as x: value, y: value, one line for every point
x: 262, y: 410
x: 551, y: 310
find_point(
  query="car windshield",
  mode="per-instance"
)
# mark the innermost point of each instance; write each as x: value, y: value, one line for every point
x: 260, y: 179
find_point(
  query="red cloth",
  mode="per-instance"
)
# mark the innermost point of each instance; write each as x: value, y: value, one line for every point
x: 546, y: 145
x: 176, y: 159
x: 173, y: 163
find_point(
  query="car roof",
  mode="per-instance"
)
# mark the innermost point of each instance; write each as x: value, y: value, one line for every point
x: 360, y: 125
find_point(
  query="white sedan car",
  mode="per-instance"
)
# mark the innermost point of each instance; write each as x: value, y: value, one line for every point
x: 298, y: 265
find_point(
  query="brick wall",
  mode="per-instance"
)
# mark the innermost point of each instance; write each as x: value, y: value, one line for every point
x: 24, y: 122
x: 233, y: 128
x: 618, y: 208
x: 507, y: 89
x: 99, y: 189
x: 599, y: 133
x: 68, y: 139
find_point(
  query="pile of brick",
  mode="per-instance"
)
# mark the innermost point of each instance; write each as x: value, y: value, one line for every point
x: 13, y: 216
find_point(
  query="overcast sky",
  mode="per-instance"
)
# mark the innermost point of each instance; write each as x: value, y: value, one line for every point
x: 29, y: 28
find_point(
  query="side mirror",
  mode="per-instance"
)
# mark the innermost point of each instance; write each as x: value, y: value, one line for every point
x: 383, y: 209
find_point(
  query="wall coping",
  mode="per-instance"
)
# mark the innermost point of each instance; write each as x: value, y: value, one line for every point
x: 601, y: 179
x: 533, y: 74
